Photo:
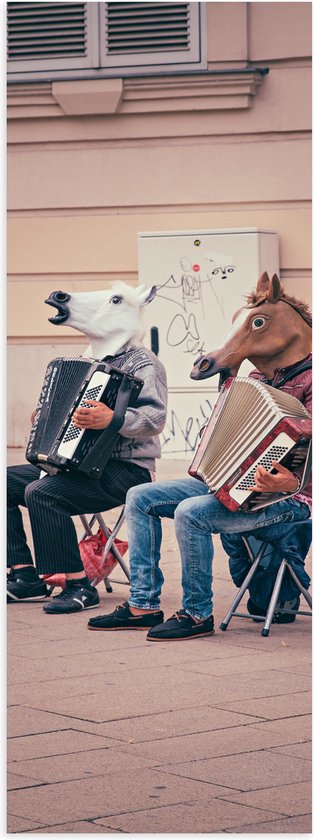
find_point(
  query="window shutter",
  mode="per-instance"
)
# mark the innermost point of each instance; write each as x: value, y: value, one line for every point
x: 50, y: 36
x: 147, y: 34
x: 65, y: 40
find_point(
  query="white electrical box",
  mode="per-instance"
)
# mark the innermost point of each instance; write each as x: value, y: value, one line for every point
x: 202, y: 278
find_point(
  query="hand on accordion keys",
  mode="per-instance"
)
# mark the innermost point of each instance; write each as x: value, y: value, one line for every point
x: 283, y: 481
x: 92, y: 415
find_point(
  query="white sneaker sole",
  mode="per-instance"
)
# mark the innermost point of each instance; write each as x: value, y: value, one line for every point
x: 15, y: 599
x: 70, y: 612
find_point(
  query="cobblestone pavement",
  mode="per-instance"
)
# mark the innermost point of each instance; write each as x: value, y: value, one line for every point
x: 109, y: 733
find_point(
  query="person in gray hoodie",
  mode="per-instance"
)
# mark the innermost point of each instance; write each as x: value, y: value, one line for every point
x: 52, y: 500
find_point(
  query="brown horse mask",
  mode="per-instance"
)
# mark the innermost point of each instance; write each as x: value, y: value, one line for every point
x: 272, y: 331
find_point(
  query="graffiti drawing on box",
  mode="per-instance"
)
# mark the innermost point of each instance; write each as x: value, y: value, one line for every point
x: 200, y: 301
x: 196, y: 303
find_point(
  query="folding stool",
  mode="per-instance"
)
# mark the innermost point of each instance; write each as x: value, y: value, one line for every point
x: 110, y: 545
x: 284, y: 566
x: 255, y: 562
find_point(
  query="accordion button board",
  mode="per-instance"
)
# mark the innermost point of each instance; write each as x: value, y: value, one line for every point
x: 72, y: 435
x: 274, y: 452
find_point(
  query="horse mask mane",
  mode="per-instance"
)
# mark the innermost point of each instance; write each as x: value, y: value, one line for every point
x: 272, y: 291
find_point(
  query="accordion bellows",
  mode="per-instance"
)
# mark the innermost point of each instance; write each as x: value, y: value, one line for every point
x: 251, y: 423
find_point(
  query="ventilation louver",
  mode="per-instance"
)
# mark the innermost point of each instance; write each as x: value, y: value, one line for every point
x: 147, y: 27
x: 46, y: 30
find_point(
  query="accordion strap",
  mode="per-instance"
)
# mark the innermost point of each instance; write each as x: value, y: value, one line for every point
x: 299, y: 367
x: 131, y: 361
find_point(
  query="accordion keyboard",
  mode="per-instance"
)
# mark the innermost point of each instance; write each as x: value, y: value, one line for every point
x: 94, y: 391
x: 275, y: 452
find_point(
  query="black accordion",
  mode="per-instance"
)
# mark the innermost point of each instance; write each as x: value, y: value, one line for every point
x: 55, y: 443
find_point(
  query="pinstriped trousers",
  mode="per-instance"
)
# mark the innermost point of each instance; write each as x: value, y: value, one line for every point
x: 52, y: 501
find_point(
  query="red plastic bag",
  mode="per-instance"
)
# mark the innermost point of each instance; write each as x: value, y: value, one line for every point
x: 92, y: 549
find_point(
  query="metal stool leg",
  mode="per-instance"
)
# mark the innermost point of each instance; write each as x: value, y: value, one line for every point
x: 87, y: 525
x: 110, y: 542
x: 274, y: 599
x: 302, y: 589
x: 275, y: 596
x: 245, y: 584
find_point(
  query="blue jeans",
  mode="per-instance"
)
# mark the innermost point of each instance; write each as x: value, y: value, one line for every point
x: 197, y: 515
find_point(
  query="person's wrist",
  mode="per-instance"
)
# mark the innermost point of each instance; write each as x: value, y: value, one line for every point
x: 297, y: 488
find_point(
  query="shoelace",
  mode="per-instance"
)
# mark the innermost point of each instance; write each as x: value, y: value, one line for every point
x: 180, y: 614
x: 120, y: 608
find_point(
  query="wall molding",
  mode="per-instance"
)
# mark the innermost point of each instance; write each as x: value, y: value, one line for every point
x: 75, y: 276
x: 211, y: 91
x: 160, y: 209
x: 146, y: 142
x: 131, y: 277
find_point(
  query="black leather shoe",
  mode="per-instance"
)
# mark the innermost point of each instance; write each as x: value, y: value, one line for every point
x: 281, y: 617
x: 181, y: 626
x: 123, y: 619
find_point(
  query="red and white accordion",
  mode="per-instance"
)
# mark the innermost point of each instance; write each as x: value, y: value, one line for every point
x: 251, y: 424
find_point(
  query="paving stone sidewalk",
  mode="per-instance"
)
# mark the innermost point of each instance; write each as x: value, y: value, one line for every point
x: 108, y: 733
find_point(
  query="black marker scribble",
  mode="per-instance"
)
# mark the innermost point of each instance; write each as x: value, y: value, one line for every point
x: 181, y: 328
x: 185, y: 294
x: 183, y: 436
x: 191, y: 287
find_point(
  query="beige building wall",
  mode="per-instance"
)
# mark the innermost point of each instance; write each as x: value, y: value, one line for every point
x: 92, y: 163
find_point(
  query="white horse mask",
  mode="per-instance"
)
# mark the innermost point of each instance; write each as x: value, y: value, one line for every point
x: 111, y: 319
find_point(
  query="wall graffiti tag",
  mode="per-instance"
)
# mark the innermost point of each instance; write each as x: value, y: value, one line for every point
x: 190, y: 299
x: 193, y: 293
x: 182, y: 433
x: 202, y: 278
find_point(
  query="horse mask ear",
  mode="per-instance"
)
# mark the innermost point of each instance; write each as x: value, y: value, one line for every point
x: 263, y: 283
x: 275, y: 289
x: 144, y: 296
x: 272, y: 289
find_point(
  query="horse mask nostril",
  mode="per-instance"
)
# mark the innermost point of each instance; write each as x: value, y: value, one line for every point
x: 202, y: 363
x: 205, y: 364
x: 59, y: 300
x: 202, y: 368
x: 60, y: 297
